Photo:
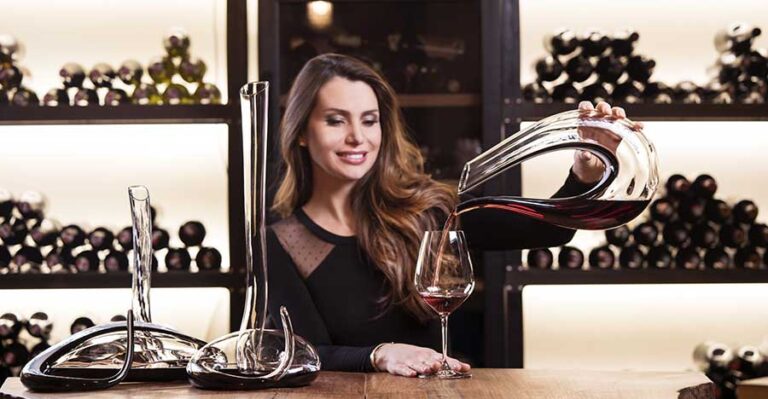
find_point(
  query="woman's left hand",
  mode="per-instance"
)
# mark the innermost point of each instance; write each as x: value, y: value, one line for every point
x: 587, y: 167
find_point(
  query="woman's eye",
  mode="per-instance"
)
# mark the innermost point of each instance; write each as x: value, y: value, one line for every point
x: 334, y: 122
x: 370, y: 122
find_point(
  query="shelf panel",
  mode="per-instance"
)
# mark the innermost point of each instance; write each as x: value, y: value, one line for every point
x: 656, y: 112
x: 430, y: 100
x: 120, y: 280
x: 644, y: 276
x: 123, y: 114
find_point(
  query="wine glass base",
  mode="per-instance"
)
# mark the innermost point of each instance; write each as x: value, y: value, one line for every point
x: 446, y: 375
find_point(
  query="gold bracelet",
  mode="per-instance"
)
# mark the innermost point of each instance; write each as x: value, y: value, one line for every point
x: 372, y: 357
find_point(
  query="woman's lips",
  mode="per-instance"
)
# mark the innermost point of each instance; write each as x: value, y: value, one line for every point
x: 352, y: 157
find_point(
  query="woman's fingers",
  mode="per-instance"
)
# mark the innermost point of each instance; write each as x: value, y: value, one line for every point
x: 404, y: 370
x: 603, y: 108
x: 619, y: 112
x: 585, y: 106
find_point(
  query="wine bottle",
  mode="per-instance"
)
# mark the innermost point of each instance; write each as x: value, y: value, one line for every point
x: 733, y: 236
x: 736, y: 38
x: 5, y: 259
x: 206, y: 93
x: 686, y: 92
x: 116, y: 97
x: 117, y: 318
x: 59, y: 260
x: 758, y: 235
x: 548, y: 69
x: 101, y: 238
x: 595, y: 92
x: 688, y: 258
x: 31, y: 205
x: 745, y: 211
x: 676, y: 234
x: 86, y: 261
x: 161, y: 69
x: 704, y: 236
x: 176, y: 42
x: 85, y: 97
x: 116, y: 261
x: 718, y: 211
x: 10, y: 76
x: 192, y: 70
x: 623, y: 42
x: 659, y: 257
x: 631, y: 257
x: 39, y: 325
x: 657, y: 93
x: 15, y: 355
x: 160, y: 239
x: 72, y: 75
x: 713, y: 356
x: 125, y: 238
x: 570, y: 258
x: 728, y: 67
x: 26, y: 254
x: 692, y: 209
x: 748, y: 362
x: 146, y: 94
x: 13, y: 231
x: 72, y: 236
x: 602, y: 258
x: 24, y: 97
x: 538, y: 258
x: 748, y: 90
x: 663, y: 210
x: 102, y: 75
x: 747, y: 258
x: 645, y: 233
x: 56, y: 98
x: 535, y: 92
x: 704, y: 186
x: 594, y: 43
x: 677, y: 186
x: 177, y: 259
x: 755, y: 64
x: 130, y: 72
x: 565, y: 92
x: 39, y: 348
x: 10, y: 49
x: 209, y: 258
x: 716, y: 258
x: 10, y: 326
x: 176, y: 94
x: 578, y: 68
x: 561, y: 42
x: 609, y: 68
x: 80, y: 324
x: 45, y: 232
x: 618, y: 236
x: 6, y: 204
x: 192, y: 233
x: 628, y: 92
x: 640, y: 68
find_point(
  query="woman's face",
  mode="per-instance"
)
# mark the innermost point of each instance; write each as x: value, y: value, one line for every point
x: 343, y: 133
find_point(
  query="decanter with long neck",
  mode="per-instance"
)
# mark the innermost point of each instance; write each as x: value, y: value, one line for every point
x: 628, y: 183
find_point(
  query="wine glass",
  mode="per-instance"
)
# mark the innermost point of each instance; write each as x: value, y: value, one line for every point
x: 444, y: 279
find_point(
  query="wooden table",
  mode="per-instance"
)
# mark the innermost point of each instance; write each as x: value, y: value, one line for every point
x: 485, y: 383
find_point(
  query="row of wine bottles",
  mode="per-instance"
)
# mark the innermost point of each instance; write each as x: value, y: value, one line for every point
x: 176, y: 78
x: 597, y: 67
x: 30, y: 242
x: 727, y: 366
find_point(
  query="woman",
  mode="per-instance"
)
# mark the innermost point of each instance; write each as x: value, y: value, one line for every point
x: 355, y: 202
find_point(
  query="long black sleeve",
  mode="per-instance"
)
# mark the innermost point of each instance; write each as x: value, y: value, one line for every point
x: 493, y: 230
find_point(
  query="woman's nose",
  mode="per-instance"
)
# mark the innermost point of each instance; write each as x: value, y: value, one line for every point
x: 355, y: 134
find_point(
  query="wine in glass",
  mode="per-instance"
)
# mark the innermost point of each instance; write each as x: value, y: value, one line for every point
x: 444, y: 280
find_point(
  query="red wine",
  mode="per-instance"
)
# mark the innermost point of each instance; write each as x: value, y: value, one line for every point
x: 629, y: 92
x: 540, y: 258
x: 56, y: 98
x: 575, y: 214
x: 595, y: 92
x: 125, y: 238
x: 13, y: 232
x: 570, y: 258
x: 115, y: 97
x: 85, y: 97
x: 444, y: 303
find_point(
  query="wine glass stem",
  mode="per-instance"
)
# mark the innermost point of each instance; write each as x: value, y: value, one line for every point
x: 444, y: 325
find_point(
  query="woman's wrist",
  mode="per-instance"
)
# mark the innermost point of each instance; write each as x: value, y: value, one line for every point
x: 374, y: 359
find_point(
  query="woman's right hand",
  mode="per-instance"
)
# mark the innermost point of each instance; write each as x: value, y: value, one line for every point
x: 410, y: 360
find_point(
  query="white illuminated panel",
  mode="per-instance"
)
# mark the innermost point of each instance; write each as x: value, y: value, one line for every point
x: 678, y: 34
x: 85, y: 170
x: 199, y: 312
x: 112, y: 31
x: 637, y: 327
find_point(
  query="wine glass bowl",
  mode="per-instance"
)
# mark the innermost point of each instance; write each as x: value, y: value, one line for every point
x: 444, y: 280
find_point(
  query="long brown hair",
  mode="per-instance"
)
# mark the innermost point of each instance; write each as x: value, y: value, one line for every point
x: 394, y: 203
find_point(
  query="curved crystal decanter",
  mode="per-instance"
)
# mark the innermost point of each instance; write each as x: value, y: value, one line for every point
x: 255, y: 357
x: 157, y: 352
x: 628, y: 183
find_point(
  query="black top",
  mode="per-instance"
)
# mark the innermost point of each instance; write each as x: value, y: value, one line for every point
x: 330, y: 287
